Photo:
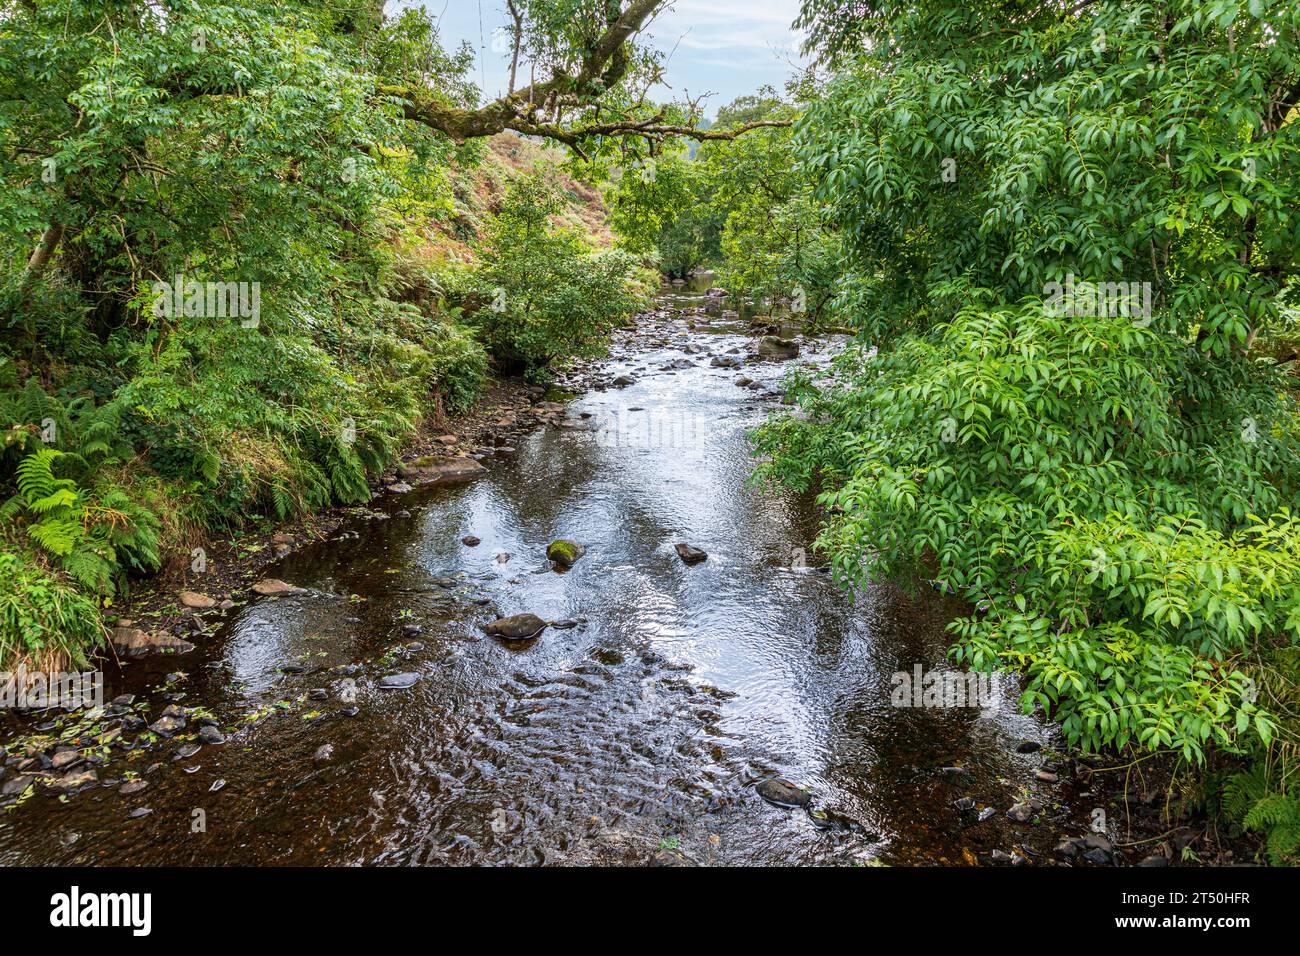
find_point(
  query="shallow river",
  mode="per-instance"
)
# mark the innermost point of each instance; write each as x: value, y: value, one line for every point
x: 641, y: 730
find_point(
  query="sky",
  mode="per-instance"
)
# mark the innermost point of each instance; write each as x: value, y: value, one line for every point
x: 724, y: 47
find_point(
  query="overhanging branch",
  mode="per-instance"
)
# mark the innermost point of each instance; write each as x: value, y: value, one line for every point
x: 604, y: 66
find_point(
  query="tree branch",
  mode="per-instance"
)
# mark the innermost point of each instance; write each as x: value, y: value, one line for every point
x: 604, y: 66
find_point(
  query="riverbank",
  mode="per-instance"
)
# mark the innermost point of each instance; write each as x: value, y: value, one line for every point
x: 447, y: 449
x: 156, y: 615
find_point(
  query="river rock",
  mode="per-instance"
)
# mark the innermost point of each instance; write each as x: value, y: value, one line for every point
x: 1022, y: 812
x: 431, y: 468
x: 398, y: 681
x: 623, y: 381
x: 689, y: 554
x: 724, y: 361
x: 73, y: 781
x: 17, y: 785
x: 272, y: 586
x: 65, y: 759
x: 518, y: 627
x: 199, y: 602
x: 167, y: 725
x: 564, y: 552
x: 132, y: 786
x: 471, y: 541
x: 778, y: 348
x: 134, y: 642
x: 783, y: 793
x: 668, y: 857
x: 211, y: 735
x: 1096, y: 841
x: 1028, y: 747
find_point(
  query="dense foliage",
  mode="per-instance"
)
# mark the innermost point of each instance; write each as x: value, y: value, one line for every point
x: 742, y: 207
x: 1108, y: 472
x: 546, y: 292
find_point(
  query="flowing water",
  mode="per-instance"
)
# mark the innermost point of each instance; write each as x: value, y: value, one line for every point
x: 641, y: 729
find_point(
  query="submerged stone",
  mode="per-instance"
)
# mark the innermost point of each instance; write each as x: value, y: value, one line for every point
x: 518, y: 627
x: 689, y: 554
x: 270, y: 586
x: 783, y: 793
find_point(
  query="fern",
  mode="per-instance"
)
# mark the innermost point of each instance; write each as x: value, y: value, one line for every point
x: 59, y: 537
x: 36, y: 478
x: 1243, y: 791
x: 95, y: 541
x: 1258, y: 799
x: 88, y: 434
x: 1277, y: 815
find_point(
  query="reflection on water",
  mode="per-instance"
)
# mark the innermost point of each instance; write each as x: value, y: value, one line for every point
x: 644, y: 726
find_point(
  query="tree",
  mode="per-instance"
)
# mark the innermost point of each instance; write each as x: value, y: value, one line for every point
x: 545, y: 291
x: 1068, y: 232
x: 663, y: 207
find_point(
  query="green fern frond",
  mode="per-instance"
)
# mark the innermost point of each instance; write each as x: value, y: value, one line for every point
x: 36, y: 477
x: 59, y: 537
x: 90, y: 570
x: 59, y: 498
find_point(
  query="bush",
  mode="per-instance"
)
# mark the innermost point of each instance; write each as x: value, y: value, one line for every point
x: 459, y: 365
x: 544, y: 293
x: 42, y: 618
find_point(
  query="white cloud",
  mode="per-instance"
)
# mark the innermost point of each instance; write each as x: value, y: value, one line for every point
x: 729, y: 24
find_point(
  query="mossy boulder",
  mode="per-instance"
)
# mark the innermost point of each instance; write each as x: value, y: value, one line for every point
x: 565, y: 553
